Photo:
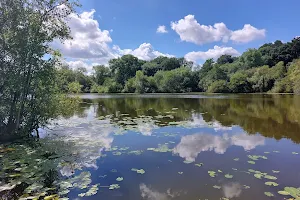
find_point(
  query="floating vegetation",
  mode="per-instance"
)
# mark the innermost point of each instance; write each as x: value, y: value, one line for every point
x: 228, y: 176
x: 246, y: 187
x: 212, y: 174
x: 188, y: 162
x: 199, y: 164
x: 266, y: 152
x: 270, y: 177
x: 180, y: 173
x: 137, y: 152
x: 117, y: 153
x: 113, y: 170
x: 276, y: 151
x: 120, y: 179
x: 139, y: 171
x: 236, y: 159
x: 275, y: 172
x: 269, y: 194
x: 217, y: 187
x: 271, y: 183
x: 124, y: 149
x: 220, y: 171
x: 251, y: 162
x: 234, y: 169
x: 114, y: 186
x: 291, y: 191
x: 92, y: 191
x: 256, y: 157
x: 295, y: 153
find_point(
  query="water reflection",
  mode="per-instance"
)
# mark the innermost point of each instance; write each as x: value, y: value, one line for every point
x: 191, y: 145
x: 232, y: 190
x: 101, y: 140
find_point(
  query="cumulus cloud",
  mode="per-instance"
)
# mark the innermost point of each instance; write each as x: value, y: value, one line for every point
x: 247, y: 34
x: 190, y: 30
x: 151, y: 194
x: 91, y: 44
x: 161, y: 29
x: 89, y: 41
x: 214, y: 53
x: 79, y: 64
x: 145, y: 51
x: 232, y: 190
x: 191, y: 145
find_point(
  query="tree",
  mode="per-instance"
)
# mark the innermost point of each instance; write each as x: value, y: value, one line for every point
x: 239, y: 83
x: 101, y: 73
x: 27, y: 79
x: 74, y: 87
x: 251, y: 58
x: 125, y: 67
x: 225, y: 59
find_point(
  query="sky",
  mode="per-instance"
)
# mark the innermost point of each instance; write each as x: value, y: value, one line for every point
x: 194, y: 29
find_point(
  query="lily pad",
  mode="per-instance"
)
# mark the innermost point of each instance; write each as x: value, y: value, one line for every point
x: 114, y: 186
x: 228, y: 176
x: 217, y: 187
x: 212, y: 173
x: 199, y: 164
x: 271, y: 183
x: 269, y: 194
x: 275, y: 172
x: 251, y: 162
x: 180, y: 173
x: 295, y: 153
x: 236, y: 159
x: 120, y: 179
x: 270, y: 177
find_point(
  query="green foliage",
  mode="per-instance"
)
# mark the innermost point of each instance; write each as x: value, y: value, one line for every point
x: 219, y: 86
x: 239, y: 83
x: 28, y: 84
x: 74, y: 87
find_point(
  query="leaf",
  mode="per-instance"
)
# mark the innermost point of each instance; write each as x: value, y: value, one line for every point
x: 271, y: 183
x: 228, y: 176
x: 283, y: 193
x: 180, y: 173
x: 270, y: 177
x: 269, y: 194
x: 258, y: 176
x: 236, y: 159
x: 199, y: 164
x: 251, y: 162
x: 120, y: 179
x: 217, y: 187
x: 140, y: 171
x: 211, y: 173
x: 220, y: 171
x: 275, y: 172
x: 295, y: 153
x: 114, y: 186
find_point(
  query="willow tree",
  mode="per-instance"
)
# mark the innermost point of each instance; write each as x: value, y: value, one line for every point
x: 27, y: 62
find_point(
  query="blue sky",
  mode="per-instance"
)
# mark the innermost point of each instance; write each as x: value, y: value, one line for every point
x: 125, y: 25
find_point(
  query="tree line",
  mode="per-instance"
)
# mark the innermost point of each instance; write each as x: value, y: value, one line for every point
x: 273, y: 67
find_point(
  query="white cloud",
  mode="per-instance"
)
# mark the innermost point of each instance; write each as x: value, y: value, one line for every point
x: 79, y: 63
x: 247, y: 34
x: 214, y: 53
x: 161, y: 29
x: 191, y: 145
x: 145, y: 51
x: 151, y: 194
x: 190, y: 30
x: 89, y: 41
x: 232, y: 190
x: 91, y: 44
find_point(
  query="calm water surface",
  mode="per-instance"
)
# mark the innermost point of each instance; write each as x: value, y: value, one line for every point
x: 161, y: 147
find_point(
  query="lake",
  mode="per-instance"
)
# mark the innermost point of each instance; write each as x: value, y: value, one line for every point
x: 161, y: 147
